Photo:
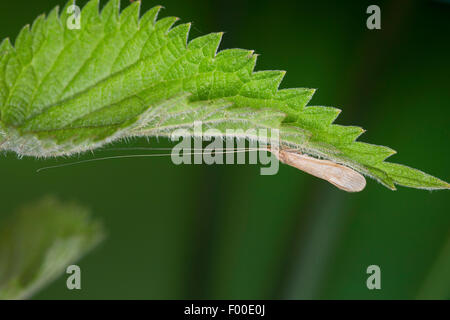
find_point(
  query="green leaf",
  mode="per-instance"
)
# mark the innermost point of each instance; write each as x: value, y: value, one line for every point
x: 66, y: 91
x: 38, y: 243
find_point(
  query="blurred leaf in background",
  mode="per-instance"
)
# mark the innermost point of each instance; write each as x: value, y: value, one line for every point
x: 39, y: 241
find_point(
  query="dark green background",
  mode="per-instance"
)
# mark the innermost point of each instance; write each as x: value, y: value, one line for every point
x: 227, y: 232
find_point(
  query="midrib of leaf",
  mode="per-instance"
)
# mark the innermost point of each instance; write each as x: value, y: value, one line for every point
x: 133, y: 72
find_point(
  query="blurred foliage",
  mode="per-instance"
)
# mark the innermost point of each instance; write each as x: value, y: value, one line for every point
x: 227, y: 232
x: 39, y: 241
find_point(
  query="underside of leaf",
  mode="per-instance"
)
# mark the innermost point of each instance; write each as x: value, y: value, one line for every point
x: 65, y: 91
